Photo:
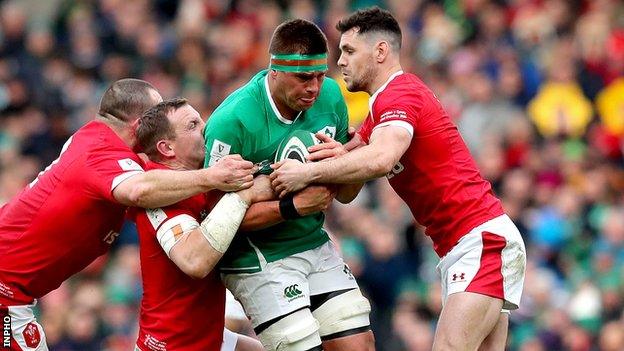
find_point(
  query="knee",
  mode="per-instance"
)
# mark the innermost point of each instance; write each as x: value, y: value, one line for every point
x: 298, y: 331
x: 342, y: 315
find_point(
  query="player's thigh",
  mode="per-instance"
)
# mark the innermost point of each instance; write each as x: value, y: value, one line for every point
x: 279, y: 289
x: 26, y: 333
x: 466, y: 320
x: 336, y: 301
x: 497, y: 339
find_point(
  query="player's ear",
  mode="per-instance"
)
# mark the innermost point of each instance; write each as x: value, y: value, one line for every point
x: 165, y: 148
x: 382, y: 49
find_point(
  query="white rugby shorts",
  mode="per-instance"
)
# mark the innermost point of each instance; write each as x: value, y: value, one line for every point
x: 489, y: 260
x: 286, y: 285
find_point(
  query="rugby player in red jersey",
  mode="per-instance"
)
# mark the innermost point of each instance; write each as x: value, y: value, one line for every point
x: 409, y: 138
x: 71, y: 213
x: 183, y: 302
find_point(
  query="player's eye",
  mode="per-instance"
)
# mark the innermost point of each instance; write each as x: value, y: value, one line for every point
x: 305, y: 77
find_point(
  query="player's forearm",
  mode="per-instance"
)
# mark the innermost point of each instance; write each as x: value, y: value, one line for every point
x: 261, y: 215
x: 347, y: 192
x: 194, y: 255
x: 159, y: 188
x: 358, y: 166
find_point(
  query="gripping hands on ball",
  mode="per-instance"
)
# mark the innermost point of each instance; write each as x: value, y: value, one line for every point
x: 290, y: 175
x: 232, y: 173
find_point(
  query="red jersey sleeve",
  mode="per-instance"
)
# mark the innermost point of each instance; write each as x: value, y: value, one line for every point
x: 168, y: 224
x: 398, y: 105
x: 390, y: 112
x: 366, y: 128
x: 110, y: 166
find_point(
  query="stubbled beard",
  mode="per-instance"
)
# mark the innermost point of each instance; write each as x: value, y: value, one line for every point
x: 363, y: 81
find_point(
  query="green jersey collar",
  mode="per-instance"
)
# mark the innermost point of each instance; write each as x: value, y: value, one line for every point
x: 274, y: 107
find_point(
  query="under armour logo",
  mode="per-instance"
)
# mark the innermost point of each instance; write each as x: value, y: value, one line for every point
x: 292, y: 291
x: 459, y: 277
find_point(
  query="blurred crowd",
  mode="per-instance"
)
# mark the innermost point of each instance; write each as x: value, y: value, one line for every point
x: 536, y: 88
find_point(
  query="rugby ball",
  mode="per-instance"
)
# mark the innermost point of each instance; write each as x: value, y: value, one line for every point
x: 295, y: 146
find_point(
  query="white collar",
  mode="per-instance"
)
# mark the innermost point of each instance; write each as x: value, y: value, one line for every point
x: 371, y: 100
x: 274, y: 107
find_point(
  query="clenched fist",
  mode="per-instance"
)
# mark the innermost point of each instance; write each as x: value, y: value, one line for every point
x: 231, y: 173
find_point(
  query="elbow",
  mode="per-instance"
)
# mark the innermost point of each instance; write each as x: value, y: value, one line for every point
x: 139, y: 195
x: 197, y: 269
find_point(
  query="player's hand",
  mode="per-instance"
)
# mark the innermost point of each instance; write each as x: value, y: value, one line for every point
x: 231, y: 173
x: 355, y: 140
x: 261, y: 189
x: 313, y: 199
x: 326, y: 150
x: 288, y: 176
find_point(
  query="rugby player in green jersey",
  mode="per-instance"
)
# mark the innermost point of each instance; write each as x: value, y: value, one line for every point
x: 282, y: 266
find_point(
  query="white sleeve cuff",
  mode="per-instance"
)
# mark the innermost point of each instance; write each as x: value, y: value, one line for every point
x: 120, y: 178
x: 172, y: 230
x: 397, y: 123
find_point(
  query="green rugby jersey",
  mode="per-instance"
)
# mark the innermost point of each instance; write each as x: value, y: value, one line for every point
x: 248, y: 123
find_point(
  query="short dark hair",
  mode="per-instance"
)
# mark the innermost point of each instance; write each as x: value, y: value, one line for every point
x: 372, y: 20
x: 126, y: 99
x: 154, y: 126
x: 298, y: 36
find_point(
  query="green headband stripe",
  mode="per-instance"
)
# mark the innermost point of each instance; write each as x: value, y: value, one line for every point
x: 298, y: 62
x: 298, y: 56
x: 298, y: 69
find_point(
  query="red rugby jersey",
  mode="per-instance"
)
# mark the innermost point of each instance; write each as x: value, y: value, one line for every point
x: 66, y: 217
x: 177, y: 311
x: 436, y: 176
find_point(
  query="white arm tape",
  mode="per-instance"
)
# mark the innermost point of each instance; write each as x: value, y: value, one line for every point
x: 223, y: 221
x: 172, y: 230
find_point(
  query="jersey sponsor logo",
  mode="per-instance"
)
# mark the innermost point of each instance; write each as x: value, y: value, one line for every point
x: 111, y: 237
x: 31, y: 335
x: 156, y: 216
x: 398, y: 168
x: 219, y: 149
x: 292, y: 292
x: 128, y: 164
x: 329, y: 131
x: 5, y: 290
x: 393, y: 114
x: 154, y: 344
